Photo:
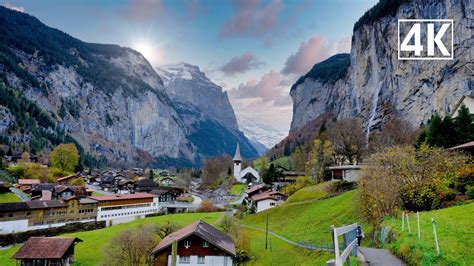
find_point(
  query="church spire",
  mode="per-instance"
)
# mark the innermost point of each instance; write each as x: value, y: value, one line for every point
x: 237, y: 157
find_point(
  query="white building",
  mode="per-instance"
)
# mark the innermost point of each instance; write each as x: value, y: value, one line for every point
x: 268, y: 199
x: 248, y: 173
x: 117, y: 209
x: 468, y: 101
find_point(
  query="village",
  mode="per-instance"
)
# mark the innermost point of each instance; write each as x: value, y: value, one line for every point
x: 93, y: 199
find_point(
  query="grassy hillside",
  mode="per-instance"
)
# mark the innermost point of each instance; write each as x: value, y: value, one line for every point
x: 311, y: 193
x: 455, y: 235
x: 9, y: 197
x: 90, y: 252
x: 281, y: 253
x: 308, y: 221
x: 238, y: 189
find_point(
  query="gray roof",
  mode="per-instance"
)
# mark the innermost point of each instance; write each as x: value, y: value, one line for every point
x: 237, y: 156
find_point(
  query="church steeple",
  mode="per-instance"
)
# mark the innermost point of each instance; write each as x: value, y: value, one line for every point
x: 237, y: 157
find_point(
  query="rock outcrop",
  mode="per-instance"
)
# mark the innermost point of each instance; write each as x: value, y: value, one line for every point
x: 377, y: 83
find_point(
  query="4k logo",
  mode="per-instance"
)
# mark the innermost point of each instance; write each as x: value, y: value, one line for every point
x: 425, y: 39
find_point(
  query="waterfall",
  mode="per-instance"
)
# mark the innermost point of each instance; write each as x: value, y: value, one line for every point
x: 375, y: 81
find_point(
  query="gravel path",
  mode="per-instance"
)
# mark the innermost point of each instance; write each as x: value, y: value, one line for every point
x: 375, y: 256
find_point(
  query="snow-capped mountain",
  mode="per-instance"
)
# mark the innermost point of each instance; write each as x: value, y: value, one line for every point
x: 259, y: 132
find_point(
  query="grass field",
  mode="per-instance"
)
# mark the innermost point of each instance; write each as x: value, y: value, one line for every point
x: 455, y: 230
x: 238, y: 189
x: 282, y: 161
x: 281, y: 253
x: 9, y: 197
x: 309, y: 222
x: 312, y: 192
x: 90, y: 252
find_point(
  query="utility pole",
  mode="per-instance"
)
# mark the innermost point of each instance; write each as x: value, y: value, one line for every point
x: 266, y: 234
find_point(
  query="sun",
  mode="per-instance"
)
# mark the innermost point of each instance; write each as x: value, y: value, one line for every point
x: 147, y: 50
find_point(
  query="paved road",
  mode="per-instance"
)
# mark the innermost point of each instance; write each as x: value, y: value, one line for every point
x: 376, y: 257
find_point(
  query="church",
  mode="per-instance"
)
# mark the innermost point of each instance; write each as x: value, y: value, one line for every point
x: 247, y: 175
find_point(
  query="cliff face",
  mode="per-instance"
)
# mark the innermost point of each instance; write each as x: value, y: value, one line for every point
x: 206, y: 111
x: 377, y: 83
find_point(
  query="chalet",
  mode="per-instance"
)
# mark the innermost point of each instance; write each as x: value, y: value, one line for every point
x: 122, y: 208
x: 287, y: 176
x: 26, y: 184
x: 167, y: 194
x: 39, y: 214
x: 268, y: 199
x: 145, y: 185
x: 125, y: 186
x: 57, y: 191
x: 47, y: 251
x: 197, y: 244
x: 107, y: 182
x: 255, y: 190
x: 345, y: 172
x: 167, y: 181
x: 69, y: 179
x: 16, y: 156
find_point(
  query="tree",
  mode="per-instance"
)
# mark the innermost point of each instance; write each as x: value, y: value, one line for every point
x: 464, y: 124
x: 215, y: 171
x: 271, y: 174
x: 25, y: 157
x: 263, y: 162
x: 395, y: 132
x: 132, y: 247
x: 36, y: 171
x: 206, y: 206
x: 407, y: 178
x: 184, y: 179
x: 65, y: 157
x: 151, y: 176
x: 78, y: 182
x: 298, y: 160
x: 348, y: 139
x: 320, y: 157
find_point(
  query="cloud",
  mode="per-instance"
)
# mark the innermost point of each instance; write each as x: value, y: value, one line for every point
x: 252, y: 18
x: 267, y: 88
x: 13, y: 7
x: 240, y: 64
x: 313, y: 51
x: 142, y: 10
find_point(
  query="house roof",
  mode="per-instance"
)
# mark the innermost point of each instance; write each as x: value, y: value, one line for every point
x: 237, y: 156
x: 468, y: 145
x: 40, y: 204
x: 13, y: 206
x: 43, y: 186
x: 25, y: 181
x: 254, y: 188
x: 458, y: 104
x: 345, y: 167
x: 267, y: 195
x: 123, y: 196
x: 203, y: 230
x: 45, y: 248
x: 68, y: 177
x: 146, y: 183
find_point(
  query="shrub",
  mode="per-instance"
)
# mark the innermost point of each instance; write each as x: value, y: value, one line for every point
x: 301, y: 182
x: 470, y: 192
x: 206, y: 206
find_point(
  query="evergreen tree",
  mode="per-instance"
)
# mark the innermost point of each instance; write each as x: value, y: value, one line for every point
x: 464, y: 125
x: 152, y: 175
x: 10, y: 151
x: 271, y: 174
x: 433, y: 133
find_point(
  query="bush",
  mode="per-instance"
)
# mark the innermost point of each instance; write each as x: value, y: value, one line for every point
x: 470, y: 192
x: 207, y: 206
x: 301, y: 182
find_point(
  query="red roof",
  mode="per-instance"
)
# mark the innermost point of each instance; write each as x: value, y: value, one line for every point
x: 254, y: 188
x: 267, y: 195
x: 25, y: 181
x: 203, y: 230
x: 45, y: 248
x: 68, y: 177
x: 123, y: 196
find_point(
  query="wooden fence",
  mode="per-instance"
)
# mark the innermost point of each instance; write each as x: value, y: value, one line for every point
x: 349, y: 244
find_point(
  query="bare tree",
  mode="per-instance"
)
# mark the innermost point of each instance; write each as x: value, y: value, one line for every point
x: 215, y: 170
x: 395, y: 132
x: 348, y: 139
x: 185, y: 179
x: 132, y: 247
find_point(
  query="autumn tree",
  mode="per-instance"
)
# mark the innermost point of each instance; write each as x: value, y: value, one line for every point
x: 263, y: 163
x: 298, y: 160
x: 403, y: 177
x: 65, y: 157
x: 348, y: 139
x: 184, y: 179
x: 215, y: 171
x: 320, y: 157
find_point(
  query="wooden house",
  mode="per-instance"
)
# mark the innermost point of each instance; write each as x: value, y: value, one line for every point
x: 196, y: 244
x: 47, y: 251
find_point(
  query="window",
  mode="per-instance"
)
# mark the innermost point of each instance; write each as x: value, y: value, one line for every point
x: 201, y: 260
x: 205, y: 244
x: 184, y: 259
x: 272, y: 203
x: 187, y: 244
x: 28, y: 213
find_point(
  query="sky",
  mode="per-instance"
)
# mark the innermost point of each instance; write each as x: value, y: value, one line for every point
x: 254, y: 49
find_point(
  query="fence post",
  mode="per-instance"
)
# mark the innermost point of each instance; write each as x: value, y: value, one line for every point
x: 346, y: 241
x: 336, y: 245
x: 418, y: 221
x: 408, y: 224
x: 435, y: 236
x: 403, y: 221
